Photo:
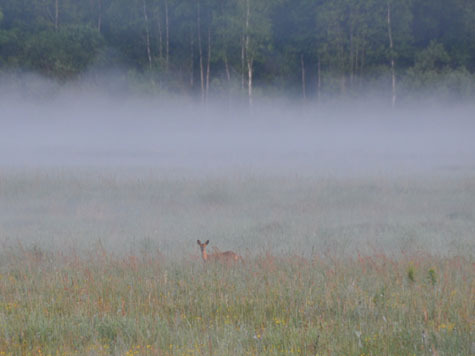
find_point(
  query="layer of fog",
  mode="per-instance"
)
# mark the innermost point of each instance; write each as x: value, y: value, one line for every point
x: 81, y: 127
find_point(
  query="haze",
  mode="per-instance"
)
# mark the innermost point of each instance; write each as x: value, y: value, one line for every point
x: 80, y: 127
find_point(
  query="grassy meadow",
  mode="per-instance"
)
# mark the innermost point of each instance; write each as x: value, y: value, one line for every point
x: 108, y: 264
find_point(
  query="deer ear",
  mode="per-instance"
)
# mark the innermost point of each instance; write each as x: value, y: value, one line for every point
x: 207, y: 242
x: 199, y: 242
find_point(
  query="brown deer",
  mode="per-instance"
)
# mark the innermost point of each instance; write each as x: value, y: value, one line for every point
x: 226, y: 257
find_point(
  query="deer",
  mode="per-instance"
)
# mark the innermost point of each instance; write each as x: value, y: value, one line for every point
x: 226, y: 257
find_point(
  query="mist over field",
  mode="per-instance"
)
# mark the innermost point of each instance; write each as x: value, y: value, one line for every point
x: 82, y: 126
x: 237, y: 177
x: 167, y: 170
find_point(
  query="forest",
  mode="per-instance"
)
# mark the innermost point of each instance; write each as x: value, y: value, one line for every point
x: 308, y: 49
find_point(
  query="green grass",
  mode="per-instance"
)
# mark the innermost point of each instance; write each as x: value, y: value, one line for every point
x: 101, y: 304
x: 106, y: 265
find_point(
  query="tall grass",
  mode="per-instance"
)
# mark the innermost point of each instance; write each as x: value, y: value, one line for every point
x: 68, y: 210
x: 94, y: 265
x: 102, y: 304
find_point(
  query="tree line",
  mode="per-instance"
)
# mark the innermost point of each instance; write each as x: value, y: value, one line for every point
x: 308, y: 48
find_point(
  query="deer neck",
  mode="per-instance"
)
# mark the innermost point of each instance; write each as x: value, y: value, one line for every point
x: 204, y: 255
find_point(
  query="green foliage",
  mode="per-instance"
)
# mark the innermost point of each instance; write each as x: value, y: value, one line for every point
x: 434, y: 41
x: 64, y: 53
x: 433, y: 58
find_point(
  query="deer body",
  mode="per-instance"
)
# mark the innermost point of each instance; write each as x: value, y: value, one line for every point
x: 227, y: 257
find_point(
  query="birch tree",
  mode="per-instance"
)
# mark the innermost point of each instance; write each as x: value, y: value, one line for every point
x: 256, y: 36
x: 398, y: 19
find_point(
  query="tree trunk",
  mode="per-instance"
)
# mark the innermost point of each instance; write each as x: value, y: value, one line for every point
x: 249, y: 81
x: 200, y: 51
x: 228, y: 77
x: 304, y: 84
x: 319, y: 80
x: 226, y: 67
x: 249, y: 56
x: 243, y: 55
x: 160, y: 34
x: 56, y: 15
x: 343, y: 84
x: 192, y: 58
x: 167, y: 33
x: 342, y: 68
x: 208, y: 64
x: 147, y: 35
x: 362, y: 64
x: 391, y: 54
x: 99, y: 15
x: 351, y: 58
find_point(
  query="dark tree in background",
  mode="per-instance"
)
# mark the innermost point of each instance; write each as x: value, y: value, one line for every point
x: 304, y: 48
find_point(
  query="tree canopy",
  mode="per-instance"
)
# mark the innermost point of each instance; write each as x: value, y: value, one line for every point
x: 307, y: 48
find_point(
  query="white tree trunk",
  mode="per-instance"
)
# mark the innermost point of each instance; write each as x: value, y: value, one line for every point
x: 160, y: 33
x: 249, y: 55
x: 208, y: 68
x: 200, y: 51
x: 249, y: 81
x: 147, y: 35
x: 304, y: 84
x: 192, y: 59
x: 393, y: 71
x: 99, y: 15
x: 167, y: 33
x: 243, y: 56
x: 319, y: 80
x: 226, y: 66
x: 56, y: 15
